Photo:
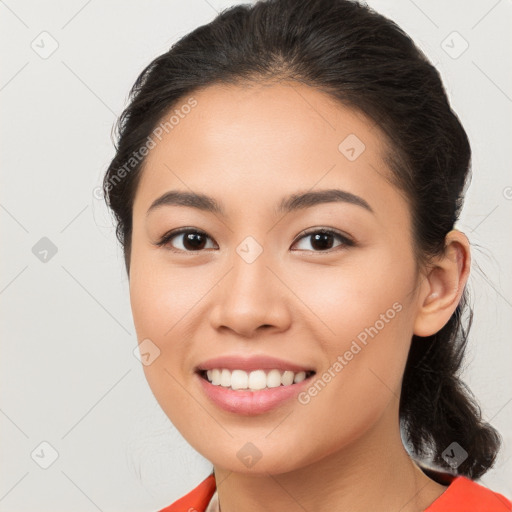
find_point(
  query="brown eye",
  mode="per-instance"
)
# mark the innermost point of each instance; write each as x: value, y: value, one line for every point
x: 323, y: 240
x: 186, y: 240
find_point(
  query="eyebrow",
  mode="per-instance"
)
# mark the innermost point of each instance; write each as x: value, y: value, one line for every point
x: 288, y: 204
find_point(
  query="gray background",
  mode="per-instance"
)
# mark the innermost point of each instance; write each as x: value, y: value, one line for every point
x: 69, y: 377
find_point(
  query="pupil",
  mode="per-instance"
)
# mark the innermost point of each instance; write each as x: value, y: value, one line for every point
x: 193, y: 240
x: 324, y: 240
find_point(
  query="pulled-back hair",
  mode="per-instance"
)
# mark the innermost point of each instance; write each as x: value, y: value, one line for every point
x: 365, y: 61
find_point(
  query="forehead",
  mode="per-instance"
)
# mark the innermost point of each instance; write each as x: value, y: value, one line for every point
x: 245, y: 143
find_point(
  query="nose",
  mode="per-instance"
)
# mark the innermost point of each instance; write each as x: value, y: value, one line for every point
x: 251, y: 299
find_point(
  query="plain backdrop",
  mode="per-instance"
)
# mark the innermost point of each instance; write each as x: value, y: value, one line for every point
x: 80, y: 428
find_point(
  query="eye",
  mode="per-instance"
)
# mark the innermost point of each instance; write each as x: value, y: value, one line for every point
x: 321, y: 240
x: 189, y: 240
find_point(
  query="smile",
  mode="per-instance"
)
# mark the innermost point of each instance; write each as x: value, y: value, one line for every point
x: 262, y: 391
x: 255, y: 380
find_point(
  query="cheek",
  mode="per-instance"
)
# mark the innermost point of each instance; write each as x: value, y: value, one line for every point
x: 162, y: 306
x: 161, y: 297
x: 363, y: 326
x: 365, y: 360
x: 166, y: 308
x: 355, y: 297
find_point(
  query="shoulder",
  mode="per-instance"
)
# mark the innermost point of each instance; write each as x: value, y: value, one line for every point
x: 196, y: 500
x: 465, y: 495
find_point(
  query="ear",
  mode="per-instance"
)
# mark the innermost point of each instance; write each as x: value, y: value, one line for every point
x: 442, y: 288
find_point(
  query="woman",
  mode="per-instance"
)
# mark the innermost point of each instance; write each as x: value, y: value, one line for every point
x: 286, y: 185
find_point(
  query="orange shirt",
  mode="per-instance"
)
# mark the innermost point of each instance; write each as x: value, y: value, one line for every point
x: 462, y: 495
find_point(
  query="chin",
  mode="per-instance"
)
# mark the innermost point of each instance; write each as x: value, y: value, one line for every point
x: 258, y: 457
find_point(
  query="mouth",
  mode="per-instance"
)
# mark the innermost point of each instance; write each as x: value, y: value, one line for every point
x: 254, y: 390
x: 251, y: 385
x: 255, y: 380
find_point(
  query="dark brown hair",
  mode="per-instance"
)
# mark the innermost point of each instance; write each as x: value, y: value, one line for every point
x: 367, y: 62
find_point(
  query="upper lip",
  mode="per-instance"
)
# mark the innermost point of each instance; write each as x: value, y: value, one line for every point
x: 249, y: 363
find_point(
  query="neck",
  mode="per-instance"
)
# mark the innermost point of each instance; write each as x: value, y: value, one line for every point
x: 373, y: 473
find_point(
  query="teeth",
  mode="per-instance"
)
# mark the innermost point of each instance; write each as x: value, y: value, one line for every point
x: 239, y: 379
x: 215, y: 377
x: 273, y: 379
x: 299, y: 377
x: 255, y: 380
x: 287, y: 378
x: 225, y: 378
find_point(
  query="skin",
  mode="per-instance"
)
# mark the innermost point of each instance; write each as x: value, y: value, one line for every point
x: 248, y: 147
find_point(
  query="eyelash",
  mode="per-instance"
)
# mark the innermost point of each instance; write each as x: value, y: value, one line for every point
x: 345, y: 240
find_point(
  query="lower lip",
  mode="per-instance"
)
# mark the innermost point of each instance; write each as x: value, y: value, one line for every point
x: 250, y: 402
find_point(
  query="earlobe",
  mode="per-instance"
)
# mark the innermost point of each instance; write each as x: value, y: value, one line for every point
x: 443, y: 286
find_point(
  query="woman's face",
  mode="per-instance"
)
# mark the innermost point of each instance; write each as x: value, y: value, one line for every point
x: 259, y: 289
